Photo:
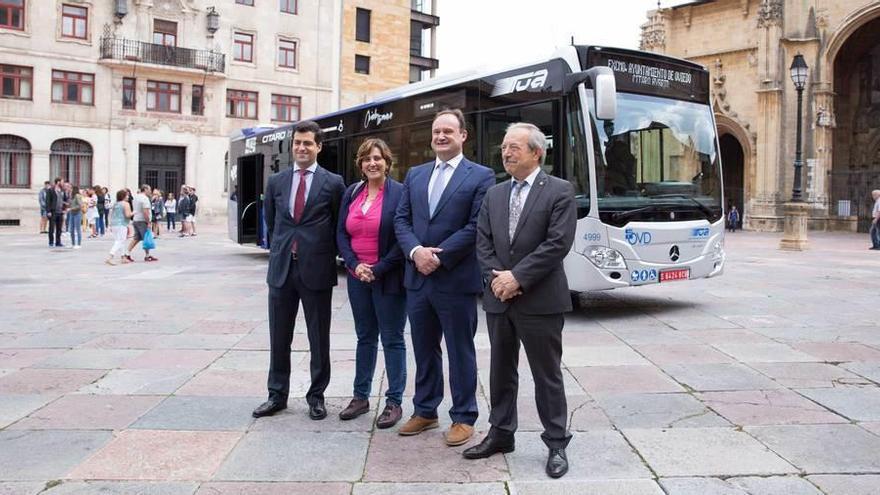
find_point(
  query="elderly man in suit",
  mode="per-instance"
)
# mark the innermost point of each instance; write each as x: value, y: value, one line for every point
x: 436, y: 227
x: 525, y: 229
x: 301, y: 209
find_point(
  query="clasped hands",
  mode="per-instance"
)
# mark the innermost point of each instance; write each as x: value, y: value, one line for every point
x: 426, y: 259
x: 504, y: 285
x: 364, y: 273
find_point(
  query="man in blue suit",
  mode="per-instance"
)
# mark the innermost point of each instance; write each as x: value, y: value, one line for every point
x: 436, y: 228
x: 302, y: 207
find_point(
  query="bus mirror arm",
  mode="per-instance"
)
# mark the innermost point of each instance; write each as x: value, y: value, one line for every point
x: 604, y: 89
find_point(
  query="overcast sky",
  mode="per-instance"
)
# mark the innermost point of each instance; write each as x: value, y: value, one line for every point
x: 500, y: 33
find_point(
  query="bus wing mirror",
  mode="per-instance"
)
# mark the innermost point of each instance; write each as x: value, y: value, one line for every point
x: 604, y: 89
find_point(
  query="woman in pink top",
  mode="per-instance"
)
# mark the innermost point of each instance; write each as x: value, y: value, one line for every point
x: 366, y: 240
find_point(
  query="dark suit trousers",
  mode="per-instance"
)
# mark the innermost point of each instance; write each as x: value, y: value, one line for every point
x: 434, y: 316
x: 541, y: 336
x: 283, y: 307
x: 55, y: 224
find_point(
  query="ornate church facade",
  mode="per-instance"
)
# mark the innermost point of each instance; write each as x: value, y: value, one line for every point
x: 748, y: 46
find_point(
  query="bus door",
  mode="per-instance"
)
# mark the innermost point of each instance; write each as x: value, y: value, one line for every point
x: 330, y: 156
x: 250, y: 201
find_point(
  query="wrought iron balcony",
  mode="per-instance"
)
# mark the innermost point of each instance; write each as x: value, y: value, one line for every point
x: 151, y: 53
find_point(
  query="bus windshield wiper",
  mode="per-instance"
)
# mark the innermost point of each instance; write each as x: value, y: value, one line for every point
x: 630, y: 213
x: 705, y: 209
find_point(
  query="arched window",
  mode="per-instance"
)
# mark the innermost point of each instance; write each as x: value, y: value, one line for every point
x: 15, y: 161
x: 71, y: 159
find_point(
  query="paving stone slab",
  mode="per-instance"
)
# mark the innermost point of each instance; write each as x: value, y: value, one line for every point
x: 839, y: 351
x: 21, y: 488
x: 122, y: 488
x: 88, y: 412
x: 47, y: 382
x: 200, y: 413
x: 273, y: 488
x: 592, y: 455
x: 23, y: 358
x: 616, y: 355
x: 682, y: 353
x: 15, y: 407
x: 250, y: 361
x: 583, y: 412
x: 45, y: 340
x: 89, y: 359
x: 768, y: 407
x: 159, y: 455
x: 765, y: 353
x: 859, y: 403
x: 772, y: 485
x: 427, y: 458
x: 429, y: 489
x: 585, y: 487
x: 173, y: 359
x: 846, y: 484
x: 705, y: 452
x: 624, y: 379
x: 296, y: 417
x: 320, y: 456
x: 871, y: 371
x: 823, y: 448
x: 142, y: 341
x: 24, y: 455
x: 138, y: 382
x: 808, y: 375
x: 741, y: 336
x: 675, y: 410
x: 215, y: 382
x: 710, y: 377
x: 653, y: 336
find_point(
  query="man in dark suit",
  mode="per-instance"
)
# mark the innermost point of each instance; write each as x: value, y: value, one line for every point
x: 526, y: 227
x: 301, y: 209
x: 436, y: 227
x: 55, y: 208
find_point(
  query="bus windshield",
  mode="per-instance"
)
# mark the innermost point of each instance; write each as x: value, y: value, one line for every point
x: 657, y: 161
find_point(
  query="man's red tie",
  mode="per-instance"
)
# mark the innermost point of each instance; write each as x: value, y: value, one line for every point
x: 299, y: 203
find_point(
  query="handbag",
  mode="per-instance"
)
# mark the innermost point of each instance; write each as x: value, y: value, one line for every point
x: 149, y: 240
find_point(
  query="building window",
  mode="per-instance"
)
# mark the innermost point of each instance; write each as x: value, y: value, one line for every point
x: 287, y: 6
x: 12, y: 14
x: 71, y: 159
x: 285, y: 108
x: 16, y: 82
x: 243, y: 47
x: 241, y: 104
x: 198, y: 100
x: 74, y: 22
x: 245, y: 2
x: 73, y: 87
x: 164, y: 33
x: 287, y: 54
x: 163, y: 96
x: 415, y: 73
x: 362, y: 25
x: 15, y: 161
x: 128, y: 93
x: 362, y: 64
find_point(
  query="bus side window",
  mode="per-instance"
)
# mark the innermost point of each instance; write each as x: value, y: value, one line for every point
x: 495, y: 122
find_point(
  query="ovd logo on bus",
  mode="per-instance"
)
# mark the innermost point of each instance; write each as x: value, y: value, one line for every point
x: 633, y: 237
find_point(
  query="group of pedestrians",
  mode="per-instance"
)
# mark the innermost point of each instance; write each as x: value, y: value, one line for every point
x: 66, y: 208
x: 424, y: 250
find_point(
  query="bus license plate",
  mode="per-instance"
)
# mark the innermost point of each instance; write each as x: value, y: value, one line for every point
x: 672, y: 275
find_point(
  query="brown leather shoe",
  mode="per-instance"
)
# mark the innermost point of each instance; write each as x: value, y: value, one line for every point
x: 416, y: 425
x: 459, y: 434
x: 354, y: 409
x: 389, y: 417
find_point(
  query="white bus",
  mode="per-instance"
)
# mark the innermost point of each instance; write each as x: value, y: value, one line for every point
x: 634, y: 133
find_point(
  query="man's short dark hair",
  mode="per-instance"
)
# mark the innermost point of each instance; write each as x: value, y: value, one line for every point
x: 144, y: 187
x: 310, y: 126
x: 58, y: 180
x: 455, y: 113
x: 46, y: 183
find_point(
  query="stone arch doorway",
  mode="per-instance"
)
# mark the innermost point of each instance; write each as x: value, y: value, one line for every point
x: 856, y: 151
x: 733, y: 163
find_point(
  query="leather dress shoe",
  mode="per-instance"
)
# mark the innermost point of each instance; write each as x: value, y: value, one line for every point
x: 354, y: 409
x: 389, y: 417
x: 268, y: 408
x: 557, y: 463
x: 317, y: 410
x: 490, y: 445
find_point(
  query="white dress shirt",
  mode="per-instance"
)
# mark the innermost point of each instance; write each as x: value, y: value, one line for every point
x: 295, y: 184
x: 453, y: 163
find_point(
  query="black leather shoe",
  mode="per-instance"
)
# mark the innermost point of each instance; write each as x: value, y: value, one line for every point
x: 491, y: 445
x: 317, y: 410
x: 557, y: 463
x: 354, y: 409
x: 268, y: 408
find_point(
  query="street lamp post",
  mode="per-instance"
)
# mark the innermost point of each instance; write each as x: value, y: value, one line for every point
x: 797, y: 211
x: 799, y: 78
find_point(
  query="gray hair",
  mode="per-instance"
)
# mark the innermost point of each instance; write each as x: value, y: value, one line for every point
x: 875, y: 193
x: 537, y: 140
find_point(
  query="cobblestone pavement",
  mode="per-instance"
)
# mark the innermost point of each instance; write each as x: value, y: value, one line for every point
x: 141, y: 378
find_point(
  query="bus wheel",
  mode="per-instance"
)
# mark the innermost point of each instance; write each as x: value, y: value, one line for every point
x: 576, y: 303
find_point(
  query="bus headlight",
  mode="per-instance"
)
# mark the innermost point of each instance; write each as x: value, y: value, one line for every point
x: 605, y: 257
x: 717, y: 251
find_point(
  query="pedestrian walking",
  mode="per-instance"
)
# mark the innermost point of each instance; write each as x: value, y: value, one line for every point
x: 526, y: 228
x: 183, y: 208
x: 875, y: 220
x: 302, y: 208
x: 120, y: 216
x: 103, y: 204
x: 41, y: 197
x: 437, y: 233
x: 141, y: 222
x: 74, y: 219
x: 732, y: 219
x: 366, y: 240
x: 170, y: 212
x: 193, y: 209
x: 158, y: 210
x: 55, y: 212
x: 92, y: 213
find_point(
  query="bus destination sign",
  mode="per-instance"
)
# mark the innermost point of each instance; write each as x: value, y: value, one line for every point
x: 655, y: 77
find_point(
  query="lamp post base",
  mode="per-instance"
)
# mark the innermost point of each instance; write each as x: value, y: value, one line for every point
x: 794, y: 236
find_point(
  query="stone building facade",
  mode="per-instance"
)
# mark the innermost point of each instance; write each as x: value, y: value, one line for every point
x: 748, y: 46
x: 122, y: 92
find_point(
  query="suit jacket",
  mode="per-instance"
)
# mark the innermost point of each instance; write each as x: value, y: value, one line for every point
x: 389, y: 269
x: 452, y: 228
x: 315, y: 233
x: 542, y: 239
